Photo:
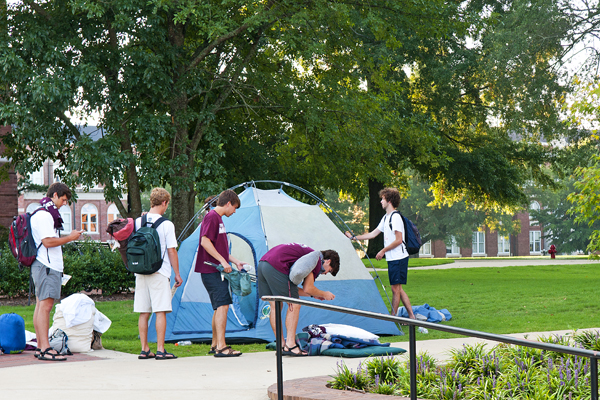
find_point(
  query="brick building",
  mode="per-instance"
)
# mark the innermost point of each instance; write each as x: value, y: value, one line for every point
x: 90, y: 212
x: 486, y: 243
x: 8, y: 189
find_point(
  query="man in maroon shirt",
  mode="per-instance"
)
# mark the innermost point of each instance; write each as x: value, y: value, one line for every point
x: 274, y: 279
x: 214, y: 248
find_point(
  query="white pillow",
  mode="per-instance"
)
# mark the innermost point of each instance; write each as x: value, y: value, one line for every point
x: 349, y: 331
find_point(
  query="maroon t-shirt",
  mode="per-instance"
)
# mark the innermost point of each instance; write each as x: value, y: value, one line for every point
x: 214, y: 229
x: 283, y: 256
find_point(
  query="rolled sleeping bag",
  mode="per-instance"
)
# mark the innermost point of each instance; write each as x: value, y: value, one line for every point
x: 304, y: 266
x: 12, y: 333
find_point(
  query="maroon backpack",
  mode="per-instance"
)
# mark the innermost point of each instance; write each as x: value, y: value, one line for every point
x: 20, y: 239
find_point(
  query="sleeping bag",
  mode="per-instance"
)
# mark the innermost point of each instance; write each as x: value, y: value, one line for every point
x: 12, y: 333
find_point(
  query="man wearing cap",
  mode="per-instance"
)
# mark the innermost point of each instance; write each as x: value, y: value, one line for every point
x: 282, y: 269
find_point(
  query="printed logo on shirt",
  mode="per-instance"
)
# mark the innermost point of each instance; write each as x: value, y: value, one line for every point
x: 222, y: 228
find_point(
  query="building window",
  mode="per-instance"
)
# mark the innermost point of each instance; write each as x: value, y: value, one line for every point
x: 37, y: 177
x: 112, y: 213
x: 535, y: 241
x: 452, y: 248
x: 425, y: 249
x: 534, y: 206
x: 503, y: 245
x: 65, y: 214
x: 478, y: 242
x: 89, y: 218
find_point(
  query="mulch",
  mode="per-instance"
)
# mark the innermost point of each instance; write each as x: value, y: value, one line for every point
x: 27, y: 358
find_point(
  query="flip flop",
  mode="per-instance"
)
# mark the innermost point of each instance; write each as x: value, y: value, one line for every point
x: 163, y: 355
x: 47, y: 356
x: 287, y: 351
x: 227, y: 351
x: 145, y: 355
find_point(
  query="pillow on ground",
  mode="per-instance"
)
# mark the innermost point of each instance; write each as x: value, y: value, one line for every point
x: 80, y: 336
x: 349, y: 331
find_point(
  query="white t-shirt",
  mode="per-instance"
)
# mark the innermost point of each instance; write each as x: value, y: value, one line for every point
x: 42, y: 227
x: 168, y: 240
x: 389, y: 235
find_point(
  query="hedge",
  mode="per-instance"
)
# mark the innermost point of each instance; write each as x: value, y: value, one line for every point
x: 92, y: 266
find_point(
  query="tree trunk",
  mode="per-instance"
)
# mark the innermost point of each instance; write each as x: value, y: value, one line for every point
x: 182, y: 210
x: 375, y: 215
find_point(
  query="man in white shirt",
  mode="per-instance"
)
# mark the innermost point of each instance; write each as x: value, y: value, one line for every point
x: 47, y: 269
x: 394, y: 248
x: 153, y: 292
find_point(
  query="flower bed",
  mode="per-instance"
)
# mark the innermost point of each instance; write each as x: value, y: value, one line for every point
x: 475, y: 372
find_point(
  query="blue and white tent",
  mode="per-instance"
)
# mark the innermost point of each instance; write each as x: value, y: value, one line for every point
x: 266, y: 219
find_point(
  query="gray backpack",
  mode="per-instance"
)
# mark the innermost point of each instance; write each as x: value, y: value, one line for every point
x: 58, y: 341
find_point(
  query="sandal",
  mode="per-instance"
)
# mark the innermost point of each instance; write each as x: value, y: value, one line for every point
x: 288, y: 351
x: 227, y: 351
x: 47, y: 356
x: 37, y: 353
x: 163, y: 355
x: 213, y: 350
x: 145, y: 355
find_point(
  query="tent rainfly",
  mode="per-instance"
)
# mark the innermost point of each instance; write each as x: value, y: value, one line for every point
x: 266, y: 219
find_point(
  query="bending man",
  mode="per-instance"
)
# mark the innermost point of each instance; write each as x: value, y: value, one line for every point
x: 274, y: 280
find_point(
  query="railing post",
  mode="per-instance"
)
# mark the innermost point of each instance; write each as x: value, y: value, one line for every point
x: 278, y: 335
x: 594, y: 377
x: 412, y: 349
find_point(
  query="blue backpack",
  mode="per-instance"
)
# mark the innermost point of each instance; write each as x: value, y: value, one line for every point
x: 412, y: 237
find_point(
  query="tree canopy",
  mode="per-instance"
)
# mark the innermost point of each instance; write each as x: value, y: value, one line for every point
x: 324, y: 93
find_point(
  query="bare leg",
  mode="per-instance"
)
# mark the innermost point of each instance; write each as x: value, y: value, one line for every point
x: 161, y: 329
x: 41, y: 321
x: 291, y: 323
x: 398, y: 294
x: 220, y: 324
x: 213, y: 343
x: 143, y: 330
x: 272, y: 319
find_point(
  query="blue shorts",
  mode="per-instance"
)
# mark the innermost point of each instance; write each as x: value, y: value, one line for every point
x: 217, y: 288
x: 398, y: 271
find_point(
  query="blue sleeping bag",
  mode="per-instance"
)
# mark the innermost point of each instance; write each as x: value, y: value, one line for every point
x: 12, y: 333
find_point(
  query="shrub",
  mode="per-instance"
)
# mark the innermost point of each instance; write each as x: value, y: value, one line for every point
x: 91, y: 265
x: 503, y: 372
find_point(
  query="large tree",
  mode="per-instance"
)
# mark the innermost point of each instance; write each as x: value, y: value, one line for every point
x: 325, y: 93
x: 176, y: 82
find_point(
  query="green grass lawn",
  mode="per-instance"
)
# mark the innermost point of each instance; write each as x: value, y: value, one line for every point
x: 412, y: 262
x: 507, y: 300
x: 495, y: 300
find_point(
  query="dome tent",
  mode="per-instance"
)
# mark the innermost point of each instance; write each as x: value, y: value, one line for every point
x: 266, y: 219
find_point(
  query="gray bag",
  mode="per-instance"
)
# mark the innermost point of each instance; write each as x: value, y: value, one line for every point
x: 58, y: 341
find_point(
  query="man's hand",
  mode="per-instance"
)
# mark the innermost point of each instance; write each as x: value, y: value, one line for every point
x: 348, y: 235
x: 226, y: 267
x: 380, y: 255
x: 178, y: 280
x: 328, y: 296
x: 75, y: 235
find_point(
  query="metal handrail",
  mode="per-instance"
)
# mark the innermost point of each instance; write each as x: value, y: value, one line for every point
x: 412, y: 323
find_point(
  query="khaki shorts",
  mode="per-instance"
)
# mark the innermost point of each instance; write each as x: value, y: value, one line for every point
x: 47, y: 281
x: 152, y: 293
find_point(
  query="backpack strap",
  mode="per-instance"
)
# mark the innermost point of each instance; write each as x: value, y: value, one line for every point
x: 404, y: 223
x: 154, y: 225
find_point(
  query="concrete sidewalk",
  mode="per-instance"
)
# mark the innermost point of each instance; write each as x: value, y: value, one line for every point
x: 122, y: 376
x: 508, y: 262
